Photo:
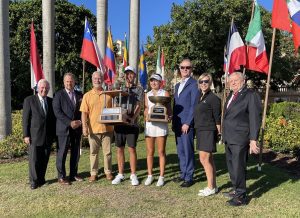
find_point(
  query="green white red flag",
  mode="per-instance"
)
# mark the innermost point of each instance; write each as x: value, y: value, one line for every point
x: 257, y: 59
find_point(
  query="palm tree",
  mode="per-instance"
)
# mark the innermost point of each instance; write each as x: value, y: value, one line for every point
x: 134, y: 33
x: 5, y: 93
x: 48, y: 43
x: 101, y: 25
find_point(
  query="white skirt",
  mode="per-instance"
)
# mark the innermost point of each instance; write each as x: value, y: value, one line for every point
x: 156, y: 129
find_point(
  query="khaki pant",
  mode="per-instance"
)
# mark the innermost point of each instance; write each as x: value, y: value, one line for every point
x: 96, y: 141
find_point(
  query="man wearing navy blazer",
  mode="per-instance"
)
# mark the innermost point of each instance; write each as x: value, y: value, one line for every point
x: 185, y: 98
x: 241, y: 125
x: 39, y: 132
x: 66, y: 104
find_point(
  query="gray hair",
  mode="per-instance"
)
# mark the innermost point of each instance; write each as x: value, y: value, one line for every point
x: 100, y: 73
x: 43, y: 81
x: 241, y: 75
x: 69, y: 74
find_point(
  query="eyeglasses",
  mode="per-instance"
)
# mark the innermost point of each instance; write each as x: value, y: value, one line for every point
x: 203, y: 81
x: 185, y: 67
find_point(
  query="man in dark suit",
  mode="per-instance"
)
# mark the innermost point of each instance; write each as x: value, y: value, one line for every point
x: 38, y: 132
x: 66, y: 104
x: 185, y: 98
x: 241, y: 124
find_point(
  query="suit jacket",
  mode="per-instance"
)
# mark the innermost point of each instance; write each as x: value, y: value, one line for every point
x: 36, y: 125
x: 183, y: 107
x: 242, y: 119
x: 66, y: 112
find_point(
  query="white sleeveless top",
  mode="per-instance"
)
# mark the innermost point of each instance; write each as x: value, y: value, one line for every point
x: 155, y: 129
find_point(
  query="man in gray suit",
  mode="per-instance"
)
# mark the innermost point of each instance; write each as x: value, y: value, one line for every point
x: 241, y: 125
x: 38, y: 132
x: 66, y: 104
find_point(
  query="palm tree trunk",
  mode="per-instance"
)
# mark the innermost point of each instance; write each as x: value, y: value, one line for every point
x: 134, y: 33
x: 5, y: 93
x: 101, y: 25
x: 48, y: 43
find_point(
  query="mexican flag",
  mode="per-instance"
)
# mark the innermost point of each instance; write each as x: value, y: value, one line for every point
x: 257, y: 59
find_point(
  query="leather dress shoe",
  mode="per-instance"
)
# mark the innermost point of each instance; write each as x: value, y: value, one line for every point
x: 109, y: 177
x: 178, y: 179
x: 63, y: 182
x: 76, y: 179
x: 187, y: 184
x: 237, y: 201
x: 93, y: 178
x: 229, y: 194
x: 33, y: 186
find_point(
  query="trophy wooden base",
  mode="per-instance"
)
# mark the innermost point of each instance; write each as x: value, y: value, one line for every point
x: 113, y: 116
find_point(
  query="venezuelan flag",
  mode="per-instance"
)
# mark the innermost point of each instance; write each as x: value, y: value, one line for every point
x: 109, y: 61
x: 125, y: 55
x: 143, y: 69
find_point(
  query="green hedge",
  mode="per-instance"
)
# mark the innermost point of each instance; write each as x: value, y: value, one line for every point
x: 283, y: 127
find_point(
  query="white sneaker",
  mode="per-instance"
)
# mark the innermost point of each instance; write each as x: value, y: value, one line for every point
x: 149, y: 180
x: 207, y: 192
x: 134, y: 180
x: 118, y: 179
x: 160, y: 181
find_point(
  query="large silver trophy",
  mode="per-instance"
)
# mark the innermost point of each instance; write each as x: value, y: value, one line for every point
x: 158, y: 112
x: 115, y: 114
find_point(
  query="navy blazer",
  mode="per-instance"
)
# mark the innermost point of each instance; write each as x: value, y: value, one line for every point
x: 242, y: 119
x: 183, y: 107
x: 66, y: 112
x: 36, y: 125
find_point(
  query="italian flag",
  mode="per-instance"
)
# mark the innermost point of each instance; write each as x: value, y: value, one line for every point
x: 257, y: 59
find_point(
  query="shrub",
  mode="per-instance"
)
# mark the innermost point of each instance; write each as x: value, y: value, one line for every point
x: 283, y: 127
x: 13, y: 145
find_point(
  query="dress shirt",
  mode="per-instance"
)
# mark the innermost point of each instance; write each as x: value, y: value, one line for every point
x: 182, y: 84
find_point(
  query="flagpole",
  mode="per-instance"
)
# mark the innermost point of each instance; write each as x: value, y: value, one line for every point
x: 83, y: 75
x: 252, y: 14
x: 266, y: 101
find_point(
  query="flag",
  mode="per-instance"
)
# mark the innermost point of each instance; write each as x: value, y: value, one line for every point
x: 35, y: 63
x: 143, y: 69
x: 257, y: 59
x: 158, y: 63
x: 162, y: 64
x: 225, y: 59
x: 294, y: 9
x: 89, y: 50
x: 125, y: 54
x: 235, y: 49
x: 280, y: 16
x: 109, y: 61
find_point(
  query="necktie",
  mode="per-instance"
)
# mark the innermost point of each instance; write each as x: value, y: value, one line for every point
x: 44, y: 105
x: 233, y: 98
x: 72, y: 97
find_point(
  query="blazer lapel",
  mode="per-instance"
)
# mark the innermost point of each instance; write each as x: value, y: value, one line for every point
x: 39, y: 105
x: 66, y: 96
x: 186, y: 85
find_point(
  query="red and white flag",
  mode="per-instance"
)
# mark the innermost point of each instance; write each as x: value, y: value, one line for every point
x: 162, y: 64
x: 35, y: 63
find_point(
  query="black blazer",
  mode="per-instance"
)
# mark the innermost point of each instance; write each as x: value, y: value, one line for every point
x: 242, y: 119
x: 36, y: 125
x: 65, y: 112
x: 207, y: 112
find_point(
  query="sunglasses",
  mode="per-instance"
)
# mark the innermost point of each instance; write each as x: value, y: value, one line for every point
x: 203, y: 81
x: 185, y: 67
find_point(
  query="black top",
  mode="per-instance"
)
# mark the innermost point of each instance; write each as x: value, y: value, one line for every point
x: 207, y: 112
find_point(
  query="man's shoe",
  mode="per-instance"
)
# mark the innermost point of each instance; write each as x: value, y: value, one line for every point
x: 93, y: 178
x: 187, y: 184
x: 33, y: 186
x: 76, y: 179
x: 63, y: 182
x: 109, y: 177
x: 178, y: 180
x: 237, y: 201
x: 118, y: 179
x: 134, y: 180
x: 230, y: 194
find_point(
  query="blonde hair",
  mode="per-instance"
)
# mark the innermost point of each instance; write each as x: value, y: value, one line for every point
x: 206, y: 75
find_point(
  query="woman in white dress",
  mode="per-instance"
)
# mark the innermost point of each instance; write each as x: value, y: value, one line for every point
x: 155, y: 131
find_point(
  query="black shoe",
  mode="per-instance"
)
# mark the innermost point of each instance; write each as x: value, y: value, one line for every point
x: 230, y: 194
x: 178, y: 179
x: 33, y: 186
x: 76, y: 179
x: 187, y: 184
x: 237, y: 201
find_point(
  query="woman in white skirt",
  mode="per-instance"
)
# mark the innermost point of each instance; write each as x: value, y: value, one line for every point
x: 156, y: 131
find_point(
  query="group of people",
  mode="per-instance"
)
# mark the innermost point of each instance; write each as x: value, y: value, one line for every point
x: 196, y: 112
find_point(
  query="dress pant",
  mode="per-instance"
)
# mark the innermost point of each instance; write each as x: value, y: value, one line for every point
x: 38, y: 161
x: 96, y: 141
x: 236, y: 159
x: 185, y: 151
x: 64, y: 142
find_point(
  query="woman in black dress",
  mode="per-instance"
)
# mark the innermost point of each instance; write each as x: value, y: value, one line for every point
x: 207, y: 118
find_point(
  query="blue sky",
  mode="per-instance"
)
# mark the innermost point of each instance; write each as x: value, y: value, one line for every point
x: 153, y: 13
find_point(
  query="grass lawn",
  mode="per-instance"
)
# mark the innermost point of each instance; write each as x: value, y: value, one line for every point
x: 271, y: 193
